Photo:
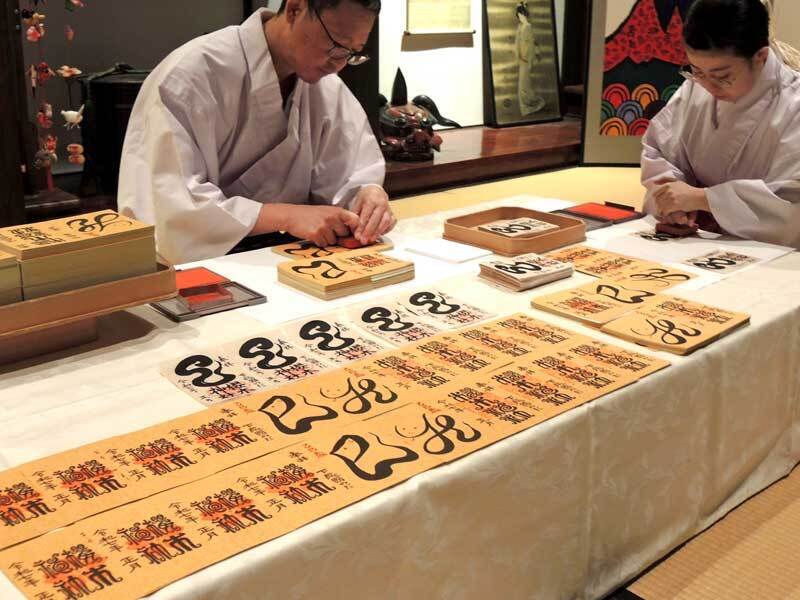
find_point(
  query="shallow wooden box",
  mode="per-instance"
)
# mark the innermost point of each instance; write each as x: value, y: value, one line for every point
x: 67, y: 319
x: 464, y: 229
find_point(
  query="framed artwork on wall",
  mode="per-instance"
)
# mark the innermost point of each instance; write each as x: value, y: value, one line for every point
x: 435, y: 16
x: 635, y: 54
x: 521, y: 78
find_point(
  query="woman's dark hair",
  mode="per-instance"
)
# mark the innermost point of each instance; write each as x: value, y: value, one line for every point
x: 740, y: 26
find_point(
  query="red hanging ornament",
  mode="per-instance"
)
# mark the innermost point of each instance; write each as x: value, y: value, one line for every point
x: 43, y: 73
x: 45, y: 116
x: 34, y: 33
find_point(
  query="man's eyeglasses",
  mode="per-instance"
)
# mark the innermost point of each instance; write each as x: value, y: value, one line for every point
x: 693, y: 74
x: 339, y: 51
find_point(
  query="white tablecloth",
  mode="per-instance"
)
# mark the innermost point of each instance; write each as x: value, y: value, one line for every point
x: 571, y: 508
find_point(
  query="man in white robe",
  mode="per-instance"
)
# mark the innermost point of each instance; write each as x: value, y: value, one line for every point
x: 737, y: 158
x: 248, y: 130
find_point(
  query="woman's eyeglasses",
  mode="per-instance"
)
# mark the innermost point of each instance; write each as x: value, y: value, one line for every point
x: 692, y: 74
x: 339, y: 51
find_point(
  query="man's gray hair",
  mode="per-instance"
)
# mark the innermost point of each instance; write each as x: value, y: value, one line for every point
x: 320, y: 5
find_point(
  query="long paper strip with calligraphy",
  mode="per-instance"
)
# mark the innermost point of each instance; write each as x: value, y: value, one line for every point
x: 138, y: 548
x: 534, y: 359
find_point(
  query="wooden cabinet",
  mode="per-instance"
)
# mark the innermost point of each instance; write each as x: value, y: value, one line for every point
x: 12, y: 111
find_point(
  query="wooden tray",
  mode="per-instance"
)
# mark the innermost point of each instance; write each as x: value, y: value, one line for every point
x: 86, y: 303
x: 464, y: 229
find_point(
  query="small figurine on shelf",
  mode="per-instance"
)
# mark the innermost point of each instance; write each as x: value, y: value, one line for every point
x: 72, y: 118
x: 43, y: 73
x: 34, y: 77
x: 45, y: 116
x: 34, y: 21
x: 406, y: 129
x: 50, y: 143
x: 46, y: 156
x: 30, y: 18
x: 34, y: 34
x: 68, y: 72
x: 43, y: 159
x: 75, y: 154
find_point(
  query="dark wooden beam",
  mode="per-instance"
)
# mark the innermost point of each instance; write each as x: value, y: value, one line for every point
x: 13, y: 109
x: 576, y: 42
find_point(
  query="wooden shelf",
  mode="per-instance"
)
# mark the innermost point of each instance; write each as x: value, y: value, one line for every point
x: 480, y: 153
x: 468, y: 155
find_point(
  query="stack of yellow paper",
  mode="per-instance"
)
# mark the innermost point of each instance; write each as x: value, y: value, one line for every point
x: 76, y: 252
x: 330, y: 278
x: 10, y: 284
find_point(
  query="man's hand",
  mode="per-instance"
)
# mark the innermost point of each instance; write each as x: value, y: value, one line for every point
x: 319, y: 224
x: 674, y: 199
x: 375, y: 217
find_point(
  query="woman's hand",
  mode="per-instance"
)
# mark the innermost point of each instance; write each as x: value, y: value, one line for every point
x: 678, y: 198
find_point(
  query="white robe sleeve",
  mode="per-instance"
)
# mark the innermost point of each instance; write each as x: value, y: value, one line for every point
x: 167, y: 181
x: 661, y: 150
x: 763, y: 210
x: 348, y: 156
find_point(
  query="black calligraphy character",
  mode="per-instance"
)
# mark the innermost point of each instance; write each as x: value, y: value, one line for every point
x: 615, y: 294
x: 308, y: 250
x: 358, y: 403
x: 230, y: 523
x: 317, y: 487
x: 155, y: 553
x: 441, y: 426
x: 519, y: 268
x: 381, y: 316
x: 263, y: 347
x: 253, y: 514
x: 100, y: 222
x: 73, y: 587
x: 85, y: 491
x: 182, y: 543
x: 110, y: 484
x: 332, y: 271
x: 715, y: 263
x: 12, y: 516
x: 38, y: 507
x: 180, y: 460
x: 660, y: 276
x: 316, y: 329
x: 158, y: 467
x: 304, y: 424
x: 353, y: 448
x: 436, y: 307
x: 101, y: 576
x: 241, y: 438
x: 198, y: 364
x: 671, y: 334
x: 512, y: 228
x: 657, y: 236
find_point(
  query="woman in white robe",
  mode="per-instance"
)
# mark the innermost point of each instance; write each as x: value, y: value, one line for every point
x: 248, y: 130
x: 728, y: 142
